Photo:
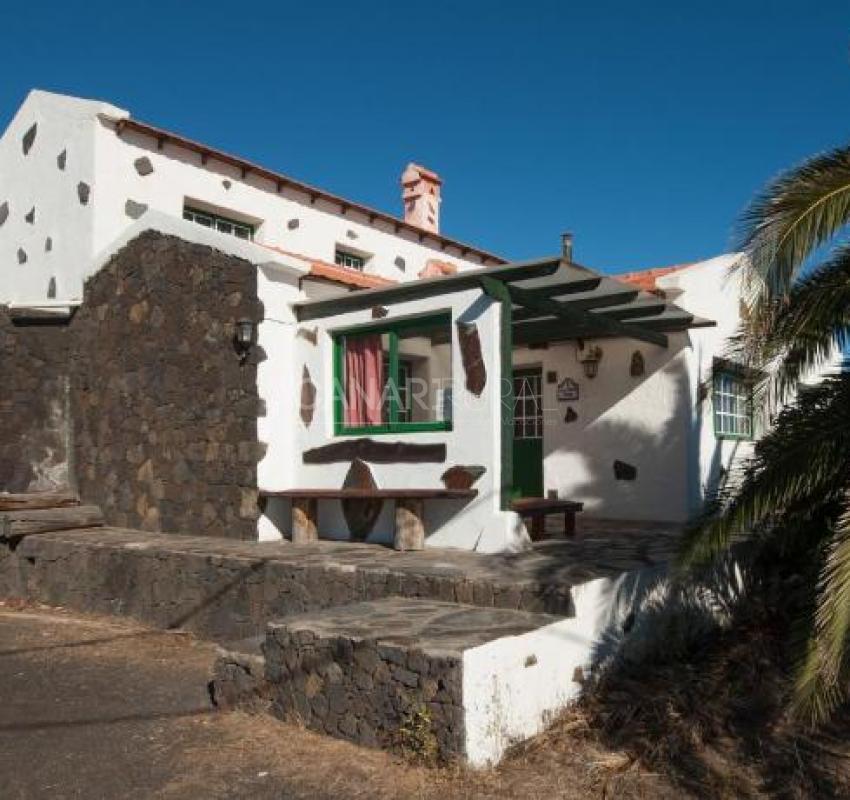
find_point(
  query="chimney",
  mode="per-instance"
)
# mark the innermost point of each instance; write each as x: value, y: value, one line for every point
x: 567, y: 246
x: 420, y: 194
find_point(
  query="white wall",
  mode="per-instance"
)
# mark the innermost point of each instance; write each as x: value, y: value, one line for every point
x: 474, y: 439
x: 653, y: 422
x: 514, y: 686
x: 105, y: 161
x: 36, y: 181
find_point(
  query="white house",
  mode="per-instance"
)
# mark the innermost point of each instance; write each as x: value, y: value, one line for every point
x: 430, y: 371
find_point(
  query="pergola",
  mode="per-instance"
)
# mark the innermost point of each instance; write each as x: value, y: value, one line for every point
x: 546, y: 300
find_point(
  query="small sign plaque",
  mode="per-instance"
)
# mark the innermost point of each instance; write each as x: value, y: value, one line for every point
x: 568, y: 390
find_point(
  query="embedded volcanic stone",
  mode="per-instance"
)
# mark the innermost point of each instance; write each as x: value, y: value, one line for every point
x: 143, y: 166
x: 4, y: 212
x: 400, y: 263
x: 226, y: 183
x: 30, y: 217
x: 134, y: 210
x: 571, y: 415
x: 637, y: 366
x: 22, y: 255
x: 379, y: 312
x: 62, y: 159
x: 29, y: 138
x: 48, y: 244
x: 360, y: 515
x: 376, y: 452
x: 351, y: 234
x: 461, y: 477
x: 308, y: 397
x: 293, y: 224
x: 51, y: 289
x: 624, y: 471
x: 310, y: 335
x: 473, y: 361
x: 83, y: 192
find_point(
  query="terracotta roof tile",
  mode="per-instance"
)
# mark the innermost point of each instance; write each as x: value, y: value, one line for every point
x: 334, y: 272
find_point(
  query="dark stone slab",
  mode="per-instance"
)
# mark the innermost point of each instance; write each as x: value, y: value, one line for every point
x: 4, y: 212
x: 62, y: 160
x: 473, y: 361
x: 133, y: 209
x: 624, y: 471
x: 376, y: 452
x: 360, y: 514
x: 22, y: 255
x: 308, y: 397
x: 143, y: 166
x: 30, y: 216
x: 29, y: 138
x: 462, y: 477
x: 83, y: 192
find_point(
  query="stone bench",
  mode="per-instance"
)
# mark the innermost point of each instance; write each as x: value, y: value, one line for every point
x: 409, y: 510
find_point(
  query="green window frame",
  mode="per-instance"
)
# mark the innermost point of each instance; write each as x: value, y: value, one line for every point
x: 398, y: 371
x: 215, y: 222
x: 732, y: 406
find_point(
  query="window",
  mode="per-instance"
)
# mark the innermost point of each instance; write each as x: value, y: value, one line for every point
x: 344, y: 258
x: 394, y: 378
x: 241, y: 230
x: 733, y: 408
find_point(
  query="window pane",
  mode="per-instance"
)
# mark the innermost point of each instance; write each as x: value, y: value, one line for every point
x: 426, y: 351
x: 364, y: 369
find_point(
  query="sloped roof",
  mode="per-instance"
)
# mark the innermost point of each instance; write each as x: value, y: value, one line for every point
x: 333, y: 272
x: 645, y: 279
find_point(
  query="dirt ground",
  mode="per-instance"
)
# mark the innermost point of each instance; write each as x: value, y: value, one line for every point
x: 104, y: 708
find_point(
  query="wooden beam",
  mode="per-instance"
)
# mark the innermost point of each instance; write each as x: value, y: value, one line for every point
x: 31, y: 500
x: 649, y: 308
x: 582, y: 303
x: 582, y: 319
x: 26, y: 522
x: 423, y: 288
x: 565, y: 287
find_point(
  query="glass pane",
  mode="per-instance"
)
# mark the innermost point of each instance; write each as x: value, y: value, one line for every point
x: 365, y: 359
x: 426, y: 352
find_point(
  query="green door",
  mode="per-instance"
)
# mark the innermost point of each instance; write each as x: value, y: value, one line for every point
x: 528, y: 433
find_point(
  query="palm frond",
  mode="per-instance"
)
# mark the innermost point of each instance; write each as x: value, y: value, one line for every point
x: 821, y: 685
x: 797, y: 213
x: 781, y: 474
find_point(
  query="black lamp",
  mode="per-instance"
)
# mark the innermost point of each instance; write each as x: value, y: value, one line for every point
x: 243, y: 337
x: 590, y: 361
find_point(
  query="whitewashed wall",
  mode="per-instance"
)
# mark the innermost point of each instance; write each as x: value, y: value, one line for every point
x: 474, y: 439
x: 653, y: 422
x: 59, y: 243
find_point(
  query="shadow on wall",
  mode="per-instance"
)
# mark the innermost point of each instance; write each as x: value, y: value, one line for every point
x: 641, y: 462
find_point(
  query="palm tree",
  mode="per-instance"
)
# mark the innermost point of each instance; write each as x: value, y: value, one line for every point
x: 792, y: 498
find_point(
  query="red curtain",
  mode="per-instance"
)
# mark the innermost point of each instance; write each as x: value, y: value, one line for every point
x: 364, y: 380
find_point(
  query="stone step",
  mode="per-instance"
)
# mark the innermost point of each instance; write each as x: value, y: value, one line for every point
x: 54, y: 499
x: 29, y: 521
x: 435, y: 677
x: 238, y: 675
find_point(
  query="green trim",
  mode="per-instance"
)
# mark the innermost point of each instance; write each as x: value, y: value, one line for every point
x: 736, y: 375
x: 391, y: 328
x: 499, y: 292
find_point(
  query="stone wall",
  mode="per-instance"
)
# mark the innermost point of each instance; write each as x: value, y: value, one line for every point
x: 33, y: 405
x: 378, y: 694
x: 165, y: 411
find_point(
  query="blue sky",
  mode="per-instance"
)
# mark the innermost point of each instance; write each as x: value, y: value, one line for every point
x: 643, y: 127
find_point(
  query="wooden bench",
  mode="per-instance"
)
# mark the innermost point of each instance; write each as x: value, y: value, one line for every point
x: 538, y: 508
x: 409, y: 510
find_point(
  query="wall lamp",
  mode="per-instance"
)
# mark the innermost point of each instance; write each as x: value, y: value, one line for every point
x: 590, y: 361
x: 243, y: 337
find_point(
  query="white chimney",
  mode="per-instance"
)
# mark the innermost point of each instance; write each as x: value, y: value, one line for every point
x: 420, y: 194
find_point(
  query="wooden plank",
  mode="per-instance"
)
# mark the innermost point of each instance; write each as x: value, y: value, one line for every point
x: 376, y: 452
x: 46, y: 520
x: 409, y: 524
x: 305, y: 520
x: 374, y: 494
x: 58, y: 499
